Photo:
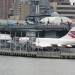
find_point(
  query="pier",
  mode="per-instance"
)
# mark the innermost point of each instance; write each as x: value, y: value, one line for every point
x: 28, y: 50
x: 62, y: 53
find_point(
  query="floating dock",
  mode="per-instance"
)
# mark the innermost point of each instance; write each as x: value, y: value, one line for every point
x: 64, y: 53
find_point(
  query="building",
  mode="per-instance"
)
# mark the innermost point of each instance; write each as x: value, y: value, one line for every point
x: 24, y: 8
x: 5, y: 6
x: 20, y: 10
x: 64, y: 8
x: 40, y: 7
x: 44, y: 7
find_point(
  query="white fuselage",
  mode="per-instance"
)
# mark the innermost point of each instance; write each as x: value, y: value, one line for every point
x: 44, y: 42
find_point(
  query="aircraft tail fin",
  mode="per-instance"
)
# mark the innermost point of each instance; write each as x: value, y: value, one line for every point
x: 70, y: 34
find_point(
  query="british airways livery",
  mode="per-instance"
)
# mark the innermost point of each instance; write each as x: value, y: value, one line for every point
x: 67, y: 40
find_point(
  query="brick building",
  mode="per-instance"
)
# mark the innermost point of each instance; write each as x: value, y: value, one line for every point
x: 5, y: 6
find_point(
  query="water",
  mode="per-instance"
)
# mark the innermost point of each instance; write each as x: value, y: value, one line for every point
x: 35, y: 66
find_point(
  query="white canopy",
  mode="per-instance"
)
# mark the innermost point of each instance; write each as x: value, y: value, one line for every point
x: 55, y: 20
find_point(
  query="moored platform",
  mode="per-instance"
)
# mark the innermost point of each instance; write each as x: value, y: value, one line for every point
x: 61, y: 54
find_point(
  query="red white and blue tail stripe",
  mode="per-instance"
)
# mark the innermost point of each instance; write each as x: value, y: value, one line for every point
x: 70, y: 34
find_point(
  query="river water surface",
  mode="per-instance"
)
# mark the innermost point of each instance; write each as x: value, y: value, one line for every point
x: 35, y: 66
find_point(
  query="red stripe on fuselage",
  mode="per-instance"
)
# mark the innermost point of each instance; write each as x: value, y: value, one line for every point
x: 72, y: 34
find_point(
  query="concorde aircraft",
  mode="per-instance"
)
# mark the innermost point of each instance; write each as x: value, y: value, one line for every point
x: 67, y: 40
